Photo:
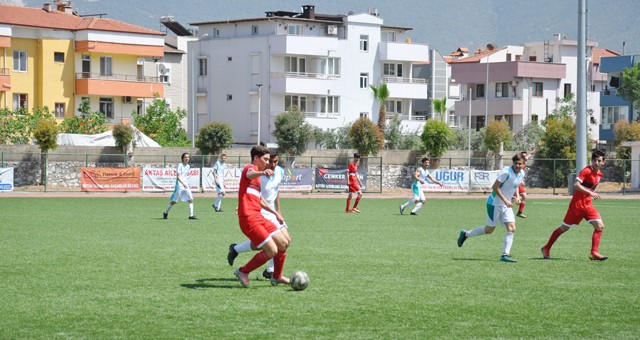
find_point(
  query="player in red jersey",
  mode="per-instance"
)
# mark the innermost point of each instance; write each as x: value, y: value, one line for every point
x: 263, y: 234
x: 581, y: 207
x: 354, y: 183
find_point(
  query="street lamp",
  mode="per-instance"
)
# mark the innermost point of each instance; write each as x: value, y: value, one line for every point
x: 259, y: 109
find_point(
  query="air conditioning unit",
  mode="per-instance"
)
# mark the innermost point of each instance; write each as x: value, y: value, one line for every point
x: 514, y: 83
x: 127, y: 99
x: 332, y: 30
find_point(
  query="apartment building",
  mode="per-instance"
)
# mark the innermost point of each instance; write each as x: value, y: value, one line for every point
x: 247, y: 71
x: 52, y: 57
x: 522, y: 84
x: 614, y: 108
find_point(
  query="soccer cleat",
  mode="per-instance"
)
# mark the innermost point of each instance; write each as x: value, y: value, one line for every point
x: 347, y: 211
x: 214, y: 207
x: 597, y: 257
x: 412, y: 213
x: 266, y: 274
x: 232, y: 254
x: 193, y: 217
x: 507, y: 258
x: 165, y: 215
x: 244, y: 278
x: 401, y: 210
x: 219, y: 210
x: 545, y: 253
x: 282, y: 280
x: 462, y: 237
x: 356, y: 210
x: 520, y: 214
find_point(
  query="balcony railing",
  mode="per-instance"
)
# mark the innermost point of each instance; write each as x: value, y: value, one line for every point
x: 118, y: 77
x: 408, y: 117
x: 304, y: 75
x: 327, y: 115
x: 4, y: 71
x: 400, y: 80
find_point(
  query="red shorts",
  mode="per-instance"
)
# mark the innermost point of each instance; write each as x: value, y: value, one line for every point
x: 257, y: 228
x: 576, y: 214
x: 354, y: 187
x: 521, y: 189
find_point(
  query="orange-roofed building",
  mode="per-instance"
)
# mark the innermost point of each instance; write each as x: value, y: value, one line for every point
x: 52, y: 57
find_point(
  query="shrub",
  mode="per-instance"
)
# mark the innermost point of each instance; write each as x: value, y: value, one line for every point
x: 497, y: 132
x: 436, y: 138
x: 123, y: 134
x: 292, y: 132
x: 214, y: 137
x: 366, y: 137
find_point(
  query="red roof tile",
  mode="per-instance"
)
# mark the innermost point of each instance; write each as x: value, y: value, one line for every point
x: 598, y: 53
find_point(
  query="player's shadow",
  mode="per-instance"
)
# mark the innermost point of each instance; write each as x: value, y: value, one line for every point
x: 469, y: 259
x: 213, y: 283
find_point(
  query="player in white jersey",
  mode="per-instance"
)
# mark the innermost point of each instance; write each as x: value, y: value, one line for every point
x: 181, y: 190
x: 269, y: 188
x: 500, y: 208
x: 419, y: 177
x: 219, y: 170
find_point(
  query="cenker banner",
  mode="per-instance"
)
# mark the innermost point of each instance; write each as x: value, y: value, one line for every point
x: 336, y: 179
x: 110, y: 179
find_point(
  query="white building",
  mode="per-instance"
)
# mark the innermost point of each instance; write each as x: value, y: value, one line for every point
x: 247, y: 71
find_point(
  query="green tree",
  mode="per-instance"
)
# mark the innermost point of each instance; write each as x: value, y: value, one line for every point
x: 88, y: 123
x: 397, y: 139
x: 381, y: 94
x: 214, y: 137
x: 528, y: 138
x: 629, y: 88
x: 366, y: 137
x: 333, y: 138
x: 436, y: 138
x: 461, y: 140
x: 625, y: 132
x: 292, y: 132
x: 46, y: 136
x: 162, y: 124
x: 497, y: 132
x: 440, y: 107
x: 558, y: 143
x: 18, y: 126
x: 123, y: 134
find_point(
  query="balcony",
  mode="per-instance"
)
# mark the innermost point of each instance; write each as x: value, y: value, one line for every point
x: 474, y: 73
x: 118, y: 85
x: 5, y: 80
x: 413, y: 88
x: 497, y: 106
x: 303, y: 83
x: 302, y: 45
x: 403, y: 52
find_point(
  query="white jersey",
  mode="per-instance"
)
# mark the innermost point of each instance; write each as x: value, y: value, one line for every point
x: 509, y: 183
x: 183, y: 172
x: 269, y: 186
x: 220, y: 168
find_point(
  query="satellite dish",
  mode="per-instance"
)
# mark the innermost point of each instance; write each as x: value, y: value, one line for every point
x: 162, y: 69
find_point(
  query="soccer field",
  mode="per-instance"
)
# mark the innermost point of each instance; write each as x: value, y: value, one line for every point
x: 113, y: 268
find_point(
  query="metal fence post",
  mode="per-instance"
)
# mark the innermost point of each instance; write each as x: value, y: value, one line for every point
x: 554, y: 176
x: 3, y: 159
x: 624, y: 176
x: 46, y: 157
x: 86, y: 159
x: 380, y: 174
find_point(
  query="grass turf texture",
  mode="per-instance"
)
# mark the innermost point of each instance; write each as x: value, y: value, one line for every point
x: 104, y: 267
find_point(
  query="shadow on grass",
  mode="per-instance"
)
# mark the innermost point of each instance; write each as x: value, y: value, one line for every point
x: 468, y: 259
x: 213, y: 283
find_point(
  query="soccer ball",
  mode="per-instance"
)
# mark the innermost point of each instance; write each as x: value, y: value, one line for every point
x: 299, y: 280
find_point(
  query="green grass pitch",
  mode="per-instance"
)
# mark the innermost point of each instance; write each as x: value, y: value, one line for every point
x: 113, y: 268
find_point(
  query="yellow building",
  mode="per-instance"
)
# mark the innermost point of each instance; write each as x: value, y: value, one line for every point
x: 51, y: 57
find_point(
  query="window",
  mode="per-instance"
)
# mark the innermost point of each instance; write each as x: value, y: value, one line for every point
x: 58, y: 57
x: 394, y: 106
x: 229, y: 59
x: 202, y: 67
x: 20, y: 61
x: 567, y: 90
x: 216, y: 32
x: 392, y: 70
x: 534, y: 118
x: 364, y: 115
x: 59, y: 110
x: 294, y: 30
x: 330, y: 66
x: 612, y: 114
x: 106, y: 107
x: 329, y: 105
x: 86, y: 66
x: 388, y: 36
x: 229, y: 97
x: 537, y: 89
x: 20, y: 101
x: 532, y: 58
x: 295, y: 65
x: 508, y: 56
x: 254, y: 29
x: 452, y: 119
x: 291, y: 101
x: 364, y: 80
x: 479, y: 90
x: 502, y: 90
x: 105, y: 66
x: 364, y: 43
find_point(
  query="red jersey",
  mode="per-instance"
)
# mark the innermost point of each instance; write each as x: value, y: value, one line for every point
x: 249, y: 194
x: 353, y: 172
x: 589, y: 178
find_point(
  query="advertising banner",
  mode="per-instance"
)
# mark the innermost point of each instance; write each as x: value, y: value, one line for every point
x: 297, y: 180
x: 231, y: 179
x: 6, y: 179
x: 110, y: 179
x: 164, y: 179
x: 459, y: 181
x: 336, y: 179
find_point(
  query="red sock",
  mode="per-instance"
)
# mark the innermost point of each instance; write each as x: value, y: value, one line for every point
x: 355, y: 205
x: 595, y: 241
x: 554, y: 237
x: 348, y: 203
x: 278, y: 264
x: 521, y: 208
x: 258, y: 260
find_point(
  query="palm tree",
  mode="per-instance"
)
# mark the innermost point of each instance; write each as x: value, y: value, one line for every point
x: 440, y: 107
x: 381, y: 94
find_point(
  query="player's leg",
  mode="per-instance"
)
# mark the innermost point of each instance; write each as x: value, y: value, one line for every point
x: 349, y: 202
x: 571, y: 219
x: 253, y: 228
x: 419, y: 203
x: 523, y: 199
x: 355, y: 205
x: 593, y: 216
x: 165, y: 214
x: 282, y: 240
x: 491, y: 219
x: 510, y: 224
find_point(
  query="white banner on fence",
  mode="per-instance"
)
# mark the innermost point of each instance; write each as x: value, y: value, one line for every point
x: 164, y: 179
x: 293, y: 180
x: 231, y: 179
x: 458, y: 180
x: 6, y: 179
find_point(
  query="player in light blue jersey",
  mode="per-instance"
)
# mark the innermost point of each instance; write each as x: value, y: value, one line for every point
x: 419, y: 177
x: 181, y: 190
x: 219, y: 170
x: 500, y: 208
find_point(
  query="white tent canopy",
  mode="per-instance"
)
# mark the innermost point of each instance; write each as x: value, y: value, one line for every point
x: 104, y: 139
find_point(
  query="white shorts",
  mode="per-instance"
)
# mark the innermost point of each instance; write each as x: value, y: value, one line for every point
x: 418, y: 194
x: 183, y: 194
x: 273, y: 219
x: 220, y: 188
x: 499, y: 215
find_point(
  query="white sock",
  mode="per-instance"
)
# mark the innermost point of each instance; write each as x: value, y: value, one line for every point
x: 409, y: 202
x: 270, y: 266
x: 477, y: 231
x: 418, y: 206
x: 508, y: 242
x: 190, y: 209
x: 168, y: 208
x: 218, y: 202
x: 243, y: 247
